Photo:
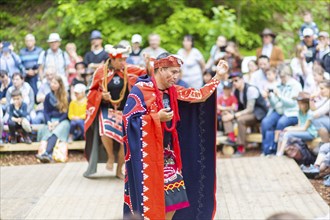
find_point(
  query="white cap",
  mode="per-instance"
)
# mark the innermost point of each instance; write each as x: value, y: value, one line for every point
x: 308, y: 32
x: 79, y: 88
x: 53, y: 37
x: 136, y: 38
x: 323, y: 34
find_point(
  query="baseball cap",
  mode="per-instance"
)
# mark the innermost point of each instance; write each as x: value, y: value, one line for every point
x: 136, y: 38
x: 5, y: 46
x: 79, y: 88
x: 308, y: 32
x: 235, y: 74
x: 54, y: 37
x: 323, y: 34
x: 96, y: 35
x: 227, y: 85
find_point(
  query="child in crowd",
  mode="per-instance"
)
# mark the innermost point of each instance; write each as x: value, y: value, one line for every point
x: 227, y: 103
x: 79, y: 78
x: 305, y: 130
x: 252, y: 66
x: 81, y: 72
x: 17, y: 118
x: 77, y: 113
x: 271, y: 83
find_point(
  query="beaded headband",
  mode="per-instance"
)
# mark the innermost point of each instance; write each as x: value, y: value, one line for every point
x: 170, y: 61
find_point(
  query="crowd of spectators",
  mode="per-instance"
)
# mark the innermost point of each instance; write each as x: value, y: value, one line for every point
x: 287, y: 97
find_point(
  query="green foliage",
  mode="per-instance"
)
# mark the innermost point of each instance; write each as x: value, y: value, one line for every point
x: 239, y: 21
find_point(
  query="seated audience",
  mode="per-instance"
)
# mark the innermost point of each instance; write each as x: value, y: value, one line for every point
x: 18, y: 121
x: 79, y: 79
x: 284, y: 110
x: 58, y: 125
x: 26, y: 90
x: 302, y: 71
x: 251, y: 109
x: 44, y: 89
x: 305, y: 130
x: 226, y: 104
x: 77, y: 113
x: 320, y: 111
x: 271, y: 83
x: 233, y: 57
x: 253, y: 67
x: 5, y: 83
x: 259, y: 77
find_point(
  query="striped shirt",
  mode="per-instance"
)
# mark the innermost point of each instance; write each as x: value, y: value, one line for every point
x: 30, y: 57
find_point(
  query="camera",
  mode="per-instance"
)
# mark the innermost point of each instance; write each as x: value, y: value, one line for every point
x: 270, y: 90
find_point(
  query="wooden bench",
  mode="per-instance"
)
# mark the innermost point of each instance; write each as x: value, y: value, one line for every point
x: 76, y: 145
x: 7, y: 147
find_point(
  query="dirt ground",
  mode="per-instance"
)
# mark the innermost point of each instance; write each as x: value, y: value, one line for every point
x: 28, y: 158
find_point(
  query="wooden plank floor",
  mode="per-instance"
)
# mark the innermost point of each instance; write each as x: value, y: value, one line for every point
x: 247, y: 188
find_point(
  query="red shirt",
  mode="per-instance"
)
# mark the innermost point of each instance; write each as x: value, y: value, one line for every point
x: 226, y: 102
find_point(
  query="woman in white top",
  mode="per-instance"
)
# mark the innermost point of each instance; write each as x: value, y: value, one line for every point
x: 194, y: 64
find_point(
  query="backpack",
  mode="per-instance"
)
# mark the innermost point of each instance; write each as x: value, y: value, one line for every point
x: 298, y: 150
x: 325, y: 62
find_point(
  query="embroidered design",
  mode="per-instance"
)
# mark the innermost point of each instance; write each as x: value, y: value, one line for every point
x: 137, y: 107
x: 116, y: 80
x: 89, y: 112
x: 147, y: 84
x: 201, y: 162
x: 145, y: 165
x: 175, y: 185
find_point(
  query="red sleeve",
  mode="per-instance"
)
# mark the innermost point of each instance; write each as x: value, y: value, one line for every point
x: 133, y: 73
x: 197, y: 95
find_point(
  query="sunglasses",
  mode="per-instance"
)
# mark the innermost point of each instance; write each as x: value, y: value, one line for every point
x: 235, y: 80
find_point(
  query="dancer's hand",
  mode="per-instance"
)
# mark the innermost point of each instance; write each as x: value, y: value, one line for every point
x: 106, y: 96
x: 165, y: 114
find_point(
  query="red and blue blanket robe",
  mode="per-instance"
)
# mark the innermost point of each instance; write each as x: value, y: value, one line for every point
x: 94, y: 115
x: 144, y: 151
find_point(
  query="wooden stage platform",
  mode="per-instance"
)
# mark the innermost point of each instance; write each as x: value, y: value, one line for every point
x: 248, y: 188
